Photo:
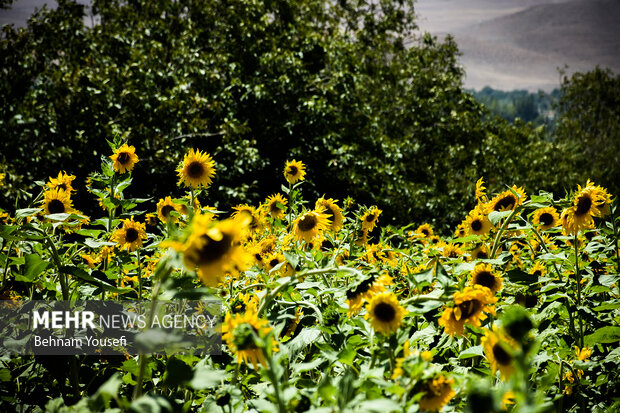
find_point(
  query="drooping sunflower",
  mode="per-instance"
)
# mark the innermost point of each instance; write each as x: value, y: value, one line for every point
x: 294, y: 171
x: 333, y: 211
x: 241, y: 332
x: 470, y: 306
x: 483, y: 275
x: 586, y: 205
x: 425, y: 230
x: 164, y: 208
x: 546, y: 218
x: 538, y: 270
x: 130, y: 235
x: 275, y: 206
x: 310, y: 226
x: 62, y: 181
x: 498, y: 349
x: 385, y: 313
x: 124, y: 158
x: 215, y: 247
x: 370, y: 218
x: 507, y: 200
x: 275, y: 259
x: 477, y: 223
x: 57, y: 201
x: 197, y: 169
x: 437, y: 393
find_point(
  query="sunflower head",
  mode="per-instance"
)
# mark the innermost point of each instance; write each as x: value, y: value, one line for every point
x: 507, y: 200
x: 546, y: 218
x: 483, y: 275
x: 481, y: 195
x: 477, y: 223
x: 437, y: 393
x: 499, y: 350
x: 275, y: 206
x: 57, y: 201
x: 215, y: 247
x: 197, y: 169
x: 333, y: 211
x: 310, y: 226
x: 62, y: 181
x: 385, y: 313
x: 245, y: 334
x: 130, y: 235
x: 294, y: 171
x: 469, y: 308
x: 451, y: 251
x: 164, y: 208
x: 124, y: 158
x: 370, y: 218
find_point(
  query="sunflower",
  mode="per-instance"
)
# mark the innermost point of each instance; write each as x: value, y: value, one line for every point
x: 215, y: 247
x: 275, y: 205
x: 130, y: 235
x: 477, y: 223
x: 583, y: 354
x: 333, y: 212
x: 2, y: 179
x: 310, y: 226
x: 242, y: 334
x: 275, y: 259
x: 256, y: 221
x: 587, y: 203
x: 197, y: 169
x: 451, y: 251
x: 538, y: 270
x: 124, y: 158
x: 481, y: 195
x: 498, y: 349
x: 243, y: 303
x: 164, y: 207
x: 507, y: 200
x: 437, y: 393
x: 385, y: 313
x: 469, y: 307
x: 483, y: 275
x: 57, y: 201
x: 425, y: 230
x: 89, y: 260
x: 479, y: 253
x: 546, y: 218
x: 369, y: 219
x: 294, y: 171
x: 63, y: 181
x: 570, y: 225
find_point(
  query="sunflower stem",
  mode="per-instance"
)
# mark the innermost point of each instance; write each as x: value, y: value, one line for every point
x: 274, y: 380
x: 139, y: 275
x: 578, y: 279
x: 501, y: 231
x: 612, y: 210
x: 544, y: 245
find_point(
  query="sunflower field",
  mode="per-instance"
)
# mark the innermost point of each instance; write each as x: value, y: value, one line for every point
x: 325, y: 309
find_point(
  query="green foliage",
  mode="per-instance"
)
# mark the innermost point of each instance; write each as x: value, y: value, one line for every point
x: 346, y: 87
x: 588, y: 119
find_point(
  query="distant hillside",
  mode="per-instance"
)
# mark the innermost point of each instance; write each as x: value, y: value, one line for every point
x: 520, y: 44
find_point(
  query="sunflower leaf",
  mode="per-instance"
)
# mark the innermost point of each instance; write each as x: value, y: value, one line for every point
x: 496, y: 216
x: 471, y: 352
x: 609, y: 334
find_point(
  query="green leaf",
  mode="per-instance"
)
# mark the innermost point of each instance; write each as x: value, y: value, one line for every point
x: 84, y: 276
x: 26, y: 212
x: 471, y: 352
x: 379, y: 406
x: 496, y: 216
x: 205, y: 377
x: 609, y: 334
x: 178, y: 372
x: 34, y: 266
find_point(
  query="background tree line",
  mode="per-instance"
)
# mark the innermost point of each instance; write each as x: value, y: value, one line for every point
x: 347, y: 87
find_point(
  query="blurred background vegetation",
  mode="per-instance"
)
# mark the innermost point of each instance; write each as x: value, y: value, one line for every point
x: 374, y: 110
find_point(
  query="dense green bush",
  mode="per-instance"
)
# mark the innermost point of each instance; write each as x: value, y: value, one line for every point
x: 346, y: 87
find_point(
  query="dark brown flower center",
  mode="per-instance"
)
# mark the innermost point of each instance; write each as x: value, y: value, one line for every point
x: 62, y: 186
x: 307, y: 223
x: 214, y: 250
x: 482, y: 255
x: 476, y: 225
x: 546, y: 219
x: 507, y: 202
x: 384, y: 312
x: 469, y: 308
x: 123, y: 158
x: 537, y: 273
x: 486, y: 279
x: 274, y: 262
x: 501, y: 355
x: 195, y: 170
x: 370, y: 217
x: 292, y: 170
x: 166, y: 210
x: 55, y: 206
x: 425, y: 232
x: 583, y: 205
x: 131, y: 235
